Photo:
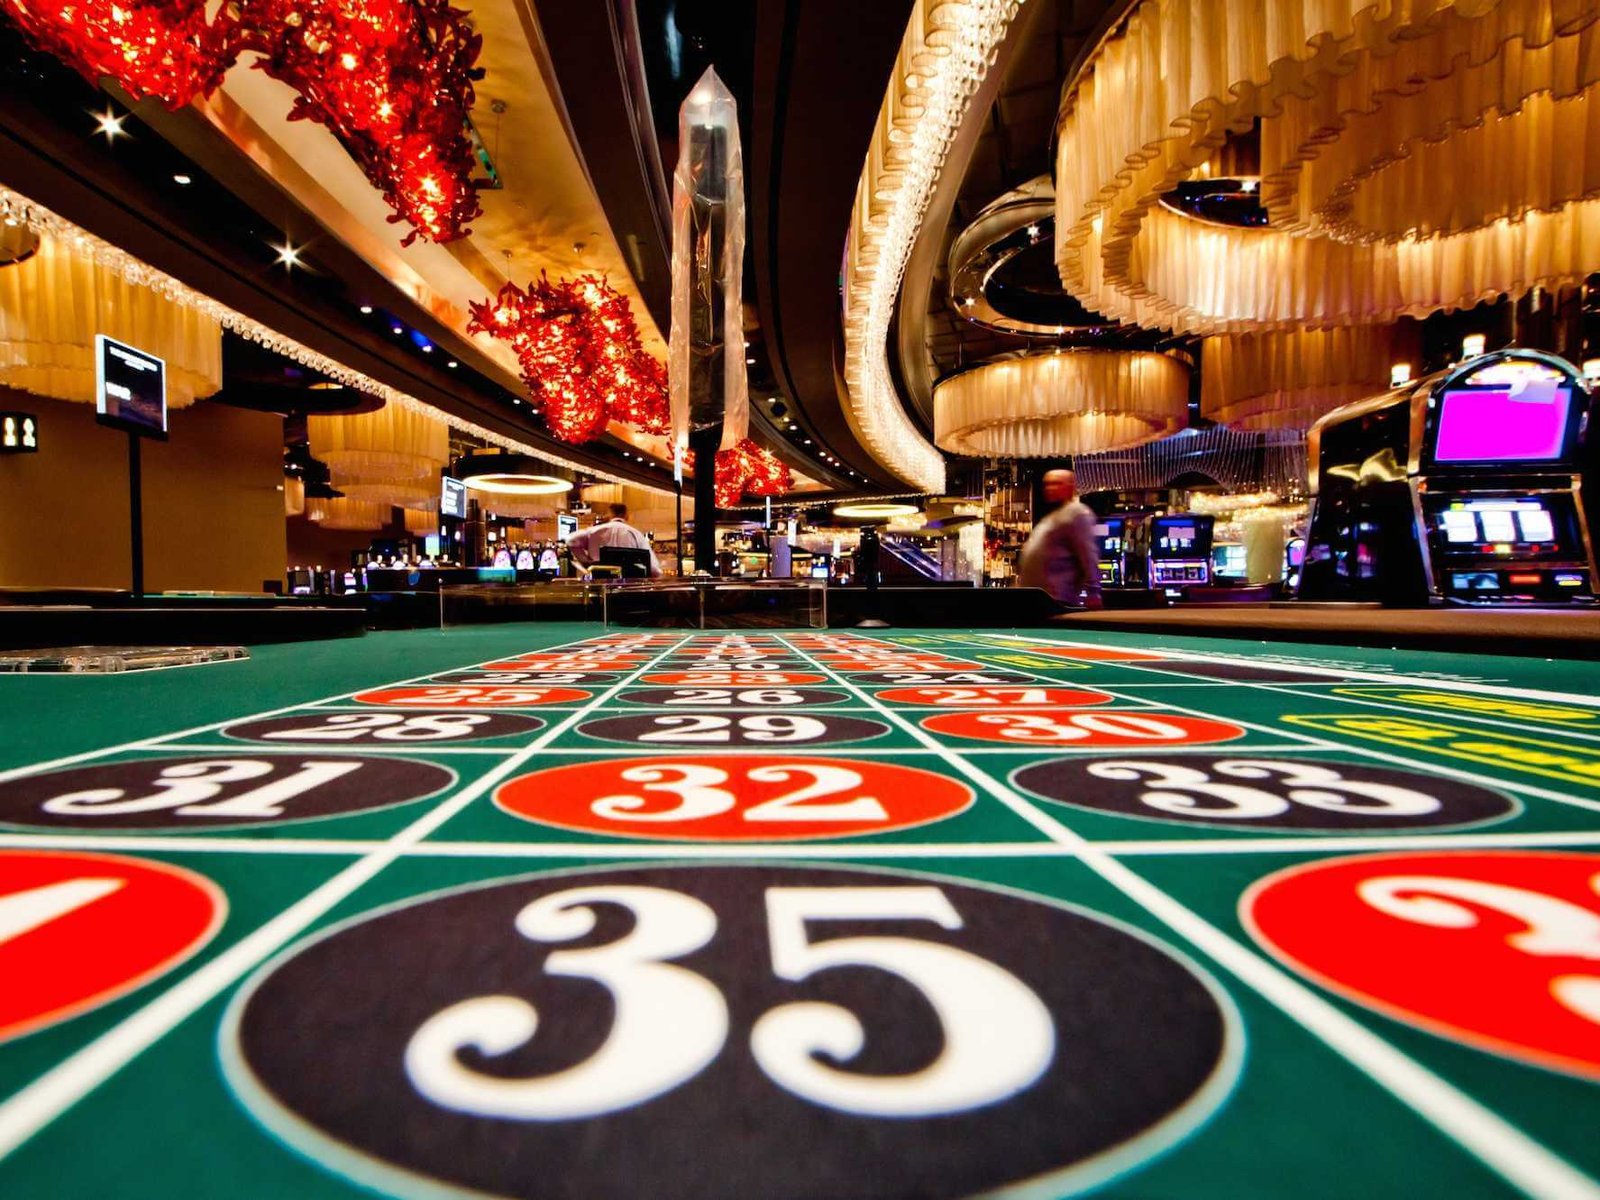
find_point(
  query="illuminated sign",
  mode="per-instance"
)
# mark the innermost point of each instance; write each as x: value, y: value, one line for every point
x: 130, y: 388
x: 453, y: 498
x: 19, y: 433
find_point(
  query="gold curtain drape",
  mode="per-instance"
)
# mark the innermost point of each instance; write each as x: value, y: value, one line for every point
x: 393, y: 443
x: 1073, y: 402
x: 421, y: 522
x: 358, y: 515
x: 399, y: 493
x: 1338, y: 89
x: 54, y: 302
x: 1272, y: 381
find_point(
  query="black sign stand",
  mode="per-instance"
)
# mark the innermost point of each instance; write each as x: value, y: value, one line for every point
x: 136, y: 515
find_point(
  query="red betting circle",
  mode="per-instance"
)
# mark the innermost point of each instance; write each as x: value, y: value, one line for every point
x: 1092, y: 727
x: 733, y: 678
x: 1461, y: 965
x: 90, y: 954
x: 469, y: 696
x: 1013, y: 696
x: 566, y: 797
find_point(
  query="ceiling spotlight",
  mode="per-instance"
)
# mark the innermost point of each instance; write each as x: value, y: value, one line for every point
x: 109, y: 124
x: 183, y: 180
x: 288, y: 255
x: 427, y: 347
x: 750, y: 360
x: 396, y: 330
x: 1033, y: 231
x: 452, y: 364
x: 366, y: 310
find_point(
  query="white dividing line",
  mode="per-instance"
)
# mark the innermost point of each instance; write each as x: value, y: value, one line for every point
x: 1261, y: 843
x: 1344, y: 674
x: 69, y: 1081
x: 1502, y: 1147
x: 1306, y: 741
x: 143, y: 843
x: 301, y: 749
x: 159, y: 741
x: 1265, y: 843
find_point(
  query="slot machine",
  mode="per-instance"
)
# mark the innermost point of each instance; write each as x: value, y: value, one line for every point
x: 1294, y: 558
x: 1463, y: 487
x: 1108, y: 538
x: 1171, y: 552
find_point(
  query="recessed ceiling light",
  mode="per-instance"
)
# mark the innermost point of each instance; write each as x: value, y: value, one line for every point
x: 183, y: 180
x: 366, y: 310
x: 288, y: 255
x: 452, y: 364
x: 109, y: 124
x: 427, y: 348
x: 396, y: 330
x: 749, y: 360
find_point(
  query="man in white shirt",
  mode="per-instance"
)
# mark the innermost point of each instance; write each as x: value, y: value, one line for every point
x: 586, y: 545
x: 1061, y: 555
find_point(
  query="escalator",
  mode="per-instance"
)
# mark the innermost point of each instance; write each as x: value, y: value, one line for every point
x: 904, y: 561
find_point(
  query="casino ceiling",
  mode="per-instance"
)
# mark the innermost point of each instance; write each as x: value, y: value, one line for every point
x: 976, y: 229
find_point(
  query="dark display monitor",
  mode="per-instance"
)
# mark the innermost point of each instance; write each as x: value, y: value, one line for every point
x: 566, y: 526
x: 633, y: 563
x: 1175, y: 537
x: 453, y: 499
x: 1499, y: 425
x: 130, y: 388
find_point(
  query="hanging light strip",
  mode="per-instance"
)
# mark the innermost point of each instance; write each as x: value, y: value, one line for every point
x: 948, y: 48
x: 46, y: 223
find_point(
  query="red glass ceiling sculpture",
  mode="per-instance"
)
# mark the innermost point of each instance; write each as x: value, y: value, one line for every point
x: 580, y: 353
x: 391, y: 79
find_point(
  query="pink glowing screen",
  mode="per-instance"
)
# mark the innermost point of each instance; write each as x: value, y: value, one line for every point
x: 1491, y: 425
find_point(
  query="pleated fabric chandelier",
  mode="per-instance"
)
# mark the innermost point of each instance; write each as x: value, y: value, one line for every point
x: 944, y: 56
x: 1413, y: 158
x: 53, y: 302
x: 1272, y: 381
x: 1061, y: 402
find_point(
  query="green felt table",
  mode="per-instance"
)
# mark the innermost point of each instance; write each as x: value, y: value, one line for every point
x: 558, y: 910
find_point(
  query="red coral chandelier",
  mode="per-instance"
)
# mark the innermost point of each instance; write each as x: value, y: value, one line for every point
x: 580, y: 353
x: 750, y: 469
x: 392, y: 79
x: 162, y: 48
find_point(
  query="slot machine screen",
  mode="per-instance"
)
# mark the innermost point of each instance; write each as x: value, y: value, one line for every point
x: 1229, y: 561
x: 1506, y: 521
x: 1459, y: 526
x: 1499, y: 425
x: 1498, y: 525
x: 1173, y: 541
x: 1536, y: 525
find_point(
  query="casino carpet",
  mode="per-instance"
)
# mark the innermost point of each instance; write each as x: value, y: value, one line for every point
x: 567, y: 912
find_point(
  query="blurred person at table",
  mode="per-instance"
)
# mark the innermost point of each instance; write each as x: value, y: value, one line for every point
x: 585, y: 546
x: 1060, y: 555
